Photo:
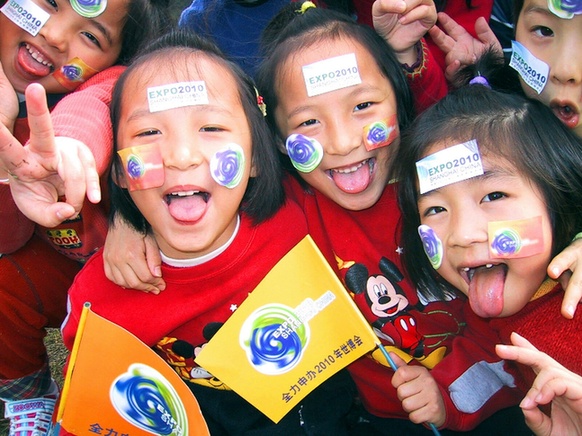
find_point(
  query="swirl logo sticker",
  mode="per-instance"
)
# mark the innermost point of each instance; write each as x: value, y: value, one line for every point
x: 432, y: 245
x: 143, y: 165
x: 515, y: 238
x: 144, y: 398
x: 275, y: 336
x: 89, y: 8
x: 228, y: 165
x: 381, y: 133
x: 565, y: 8
x: 305, y: 153
x: 73, y: 73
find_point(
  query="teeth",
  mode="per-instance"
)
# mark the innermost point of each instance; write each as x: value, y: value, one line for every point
x: 37, y: 56
x: 183, y: 193
x: 466, y: 269
x: 489, y: 265
x: 351, y: 169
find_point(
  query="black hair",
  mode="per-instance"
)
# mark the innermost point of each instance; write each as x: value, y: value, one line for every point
x: 521, y: 130
x: 264, y: 194
x: 291, y: 30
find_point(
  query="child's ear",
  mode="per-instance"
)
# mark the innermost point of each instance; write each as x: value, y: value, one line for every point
x: 281, y: 147
x: 254, y: 171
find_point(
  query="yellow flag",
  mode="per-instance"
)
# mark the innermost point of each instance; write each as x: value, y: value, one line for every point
x: 295, y: 330
x: 117, y: 385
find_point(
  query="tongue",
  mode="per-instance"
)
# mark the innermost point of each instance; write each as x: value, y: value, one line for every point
x: 190, y: 208
x: 30, y: 65
x: 353, y: 182
x: 486, y: 291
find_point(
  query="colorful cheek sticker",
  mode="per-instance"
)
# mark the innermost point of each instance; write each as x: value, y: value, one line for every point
x: 565, y: 8
x: 305, y: 153
x: 143, y: 165
x: 533, y: 71
x: 25, y: 14
x: 89, y: 8
x: 432, y: 245
x: 515, y: 239
x: 74, y: 73
x: 228, y: 165
x: 381, y: 133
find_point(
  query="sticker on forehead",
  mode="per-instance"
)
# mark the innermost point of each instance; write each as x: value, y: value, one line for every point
x: 73, y: 73
x: 381, y: 133
x: 565, y: 8
x: 174, y: 95
x: 228, y: 165
x: 25, y: 14
x: 533, y: 71
x: 331, y: 74
x: 450, y: 165
x: 516, y: 238
x: 304, y: 152
x: 433, y: 247
x: 89, y: 8
x: 143, y: 165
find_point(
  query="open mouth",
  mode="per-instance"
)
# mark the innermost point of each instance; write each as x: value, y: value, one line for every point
x: 486, y: 286
x: 567, y: 113
x: 353, y: 179
x: 33, y: 62
x: 187, y: 206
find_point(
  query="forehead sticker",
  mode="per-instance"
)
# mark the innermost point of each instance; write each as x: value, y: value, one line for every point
x: 73, y: 73
x: 532, y: 70
x: 228, y: 165
x: 565, y: 8
x: 89, y: 8
x: 143, y: 165
x: 25, y: 14
x: 305, y: 153
x: 174, y: 95
x: 450, y: 165
x: 331, y: 74
x: 381, y: 133
x: 432, y: 245
x: 516, y: 238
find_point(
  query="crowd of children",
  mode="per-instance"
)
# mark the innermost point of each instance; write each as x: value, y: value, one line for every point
x: 426, y: 254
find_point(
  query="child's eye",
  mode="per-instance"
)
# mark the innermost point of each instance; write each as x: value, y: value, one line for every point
x: 92, y: 38
x: 310, y: 122
x: 53, y: 3
x: 211, y: 129
x: 433, y: 210
x: 149, y: 132
x: 543, y: 31
x: 361, y: 106
x: 493, y: 196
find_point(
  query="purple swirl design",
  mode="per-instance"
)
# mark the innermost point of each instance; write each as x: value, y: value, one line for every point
x: 72, y: 72
x: 305, y: 153
x: 89, y: 8
x: 274, y: 339
x: 377, y: 132
x: 432, y: 245
x: 506, y: 243
x: 227, y: 166
x: 565, y: 8
x: 135, y: 167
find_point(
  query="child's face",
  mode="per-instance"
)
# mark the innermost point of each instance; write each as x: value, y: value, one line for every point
x: 64, y: 36
x: 459, y: 214
x: 190, y: 213
x: 555, y: 41
x: 349, y: 174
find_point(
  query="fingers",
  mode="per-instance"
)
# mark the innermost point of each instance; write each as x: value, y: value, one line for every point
x: 486, y: 35
x: 12, y: 154
x: 441, y: 39
x: 39, y: 120
x: 559, y: 269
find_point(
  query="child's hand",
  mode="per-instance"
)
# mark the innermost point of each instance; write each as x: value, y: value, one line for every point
x: 419, y: 393
x: 8, y: 102
x: 564, y: 267
x: 459, y: 46
x: 138, y: 268
x: 48, y: 167
x: 553, y: 383
x: 403, y: 23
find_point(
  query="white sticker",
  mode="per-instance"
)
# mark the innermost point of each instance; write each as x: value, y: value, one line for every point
x: 451, y: 165
x: 533, y: 71
x: 173, y: 95
x: 25, y: 14
x: 331, y: 74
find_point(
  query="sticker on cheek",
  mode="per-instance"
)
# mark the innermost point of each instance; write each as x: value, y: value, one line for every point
x: 432, y: 245
x: 305, y: 153
x: 89, y: 8
x: 565, y: 8
x: 228, y: 165
x: 25, y: 14
x: 143, y: 165
x: 533, y: 71
x: 73, y: 73
x: 381, y: 133
x: 516, y: 238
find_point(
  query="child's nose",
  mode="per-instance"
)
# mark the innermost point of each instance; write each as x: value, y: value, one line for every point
x: 55, y: 33
x: 566, y: 67
x: 344, y: 137
x: 467, y: 229
x: 182, y: 154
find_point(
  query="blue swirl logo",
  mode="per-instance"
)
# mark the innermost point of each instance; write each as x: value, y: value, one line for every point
x: 274, y: 339
x: 432, y: 245
x: 305, y: 153
x: 135, y: 167
x: 506, y: 243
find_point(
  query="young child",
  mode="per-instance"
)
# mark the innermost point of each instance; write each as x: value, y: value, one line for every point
x: 491, y: 183
x: 215, y: 206
x: 61, y: 49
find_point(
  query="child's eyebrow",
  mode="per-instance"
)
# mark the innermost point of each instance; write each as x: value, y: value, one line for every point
x: 104, y: 30
x: 538, y: 8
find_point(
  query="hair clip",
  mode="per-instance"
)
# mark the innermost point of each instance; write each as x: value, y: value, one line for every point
x: 305, y: 6
x: 479, y: 80
x: 261, y: 103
